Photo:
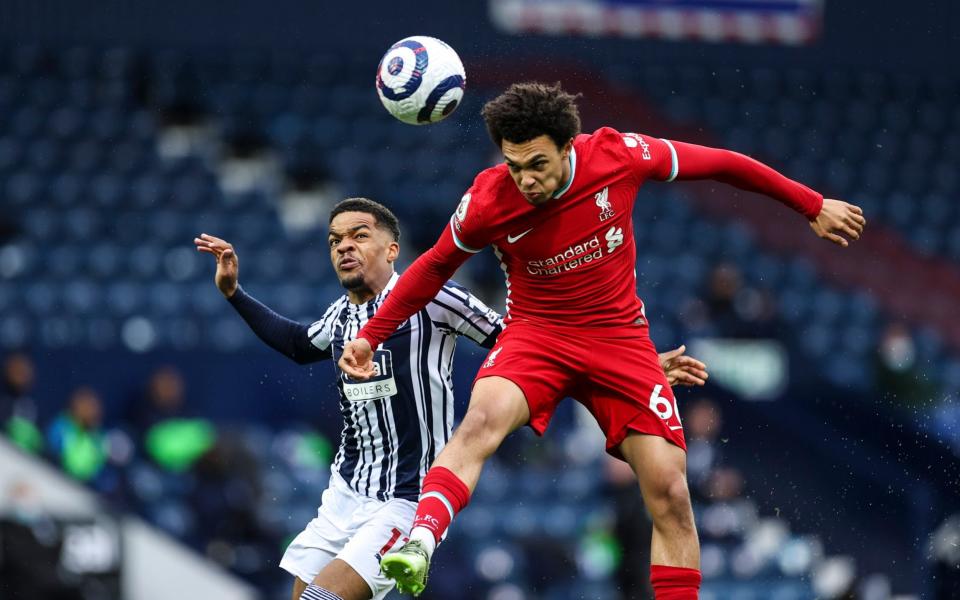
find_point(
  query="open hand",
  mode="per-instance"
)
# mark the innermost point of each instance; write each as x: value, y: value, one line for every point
x: 682, y: 370
x: 836, y: 218
x: 228, y: 266
x: 356, y: 360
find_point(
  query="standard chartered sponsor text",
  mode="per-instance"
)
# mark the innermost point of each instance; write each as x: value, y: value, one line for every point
x: 573, y: 257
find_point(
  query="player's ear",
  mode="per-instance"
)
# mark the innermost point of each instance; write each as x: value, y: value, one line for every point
x: 565, y: 151
x: 393, y: 251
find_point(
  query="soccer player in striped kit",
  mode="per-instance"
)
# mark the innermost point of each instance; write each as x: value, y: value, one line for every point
x: 558, y: 214
x: 395, y: 423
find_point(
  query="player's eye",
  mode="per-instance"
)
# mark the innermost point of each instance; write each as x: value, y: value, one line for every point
x: 333, y: 242
x: 362, y: 236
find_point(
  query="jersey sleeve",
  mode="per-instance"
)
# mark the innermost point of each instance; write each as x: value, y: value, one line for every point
x: 468, y: 228
x: 468, y: 315
x: 287, y: 337
x: 320, y: 332
x: 649, y: 157
x: 666, y: 160
x: 703, y: 162
x: 416, y: 288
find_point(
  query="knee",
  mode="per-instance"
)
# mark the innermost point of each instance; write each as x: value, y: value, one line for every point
x: 481, y: 429
x: 670, y: 500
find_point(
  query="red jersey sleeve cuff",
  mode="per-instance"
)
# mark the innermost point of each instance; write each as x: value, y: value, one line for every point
x: 814, y: 206
x: 374, y: 343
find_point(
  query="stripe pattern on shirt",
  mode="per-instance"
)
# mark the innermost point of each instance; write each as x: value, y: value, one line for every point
x: 395, y: 424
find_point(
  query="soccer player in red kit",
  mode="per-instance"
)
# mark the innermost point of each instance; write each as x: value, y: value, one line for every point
x: 558, y: 215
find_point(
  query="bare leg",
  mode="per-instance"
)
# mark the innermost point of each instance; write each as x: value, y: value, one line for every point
x: 298, y: 586
x: 497, y: 408
x: 339, y: 578
x: 661, y: 468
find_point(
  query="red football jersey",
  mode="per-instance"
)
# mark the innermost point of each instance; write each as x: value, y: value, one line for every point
x: 570, y: 261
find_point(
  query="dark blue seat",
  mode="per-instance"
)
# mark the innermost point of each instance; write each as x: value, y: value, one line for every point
x: 82, y: 297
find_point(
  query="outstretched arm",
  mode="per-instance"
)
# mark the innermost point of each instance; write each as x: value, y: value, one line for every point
x: 280, y: 333
x: 830, y: 219
x: 417, y: 286
x: 283, y: 335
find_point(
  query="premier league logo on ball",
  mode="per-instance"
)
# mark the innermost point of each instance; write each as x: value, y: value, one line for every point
x: 395, y: 66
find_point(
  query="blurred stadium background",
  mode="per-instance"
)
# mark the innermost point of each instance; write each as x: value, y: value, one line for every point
x: 153, y: 448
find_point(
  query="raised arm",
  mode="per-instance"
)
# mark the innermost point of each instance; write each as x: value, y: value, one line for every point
x: 828, y: 218
x: 283, y: 335
x: 417, y: 286
x: 287, y: 337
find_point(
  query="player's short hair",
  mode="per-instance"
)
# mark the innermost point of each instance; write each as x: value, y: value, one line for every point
x: 384, y: 217
x: 531, y: 109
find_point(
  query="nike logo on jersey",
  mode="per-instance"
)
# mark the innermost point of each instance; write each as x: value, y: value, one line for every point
x: 512, y: 238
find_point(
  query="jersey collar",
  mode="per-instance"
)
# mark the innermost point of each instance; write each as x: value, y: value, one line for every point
x: 573, y: 171
x: 357, y: 307
x: 391, y: 283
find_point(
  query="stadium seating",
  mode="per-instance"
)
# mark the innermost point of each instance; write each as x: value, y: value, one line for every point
x: 112, y: 161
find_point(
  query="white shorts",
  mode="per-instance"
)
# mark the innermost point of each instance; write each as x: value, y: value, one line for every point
x: 356, y: 529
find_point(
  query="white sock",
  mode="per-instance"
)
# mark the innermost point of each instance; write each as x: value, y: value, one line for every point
x: 425, y: 537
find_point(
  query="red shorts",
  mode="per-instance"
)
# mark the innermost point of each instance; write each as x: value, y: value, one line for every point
x: 614, y: 373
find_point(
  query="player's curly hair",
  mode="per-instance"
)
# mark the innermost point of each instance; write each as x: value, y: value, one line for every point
x: 385, y: 219
x: 531, y: 109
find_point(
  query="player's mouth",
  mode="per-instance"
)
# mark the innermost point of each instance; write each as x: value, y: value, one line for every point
x: 348, y: 264
x: 533, y: 196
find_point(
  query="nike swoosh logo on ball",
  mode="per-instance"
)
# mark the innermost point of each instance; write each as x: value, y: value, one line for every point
x: 512, y: 238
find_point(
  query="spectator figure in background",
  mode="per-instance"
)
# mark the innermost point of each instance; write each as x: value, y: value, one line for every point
x: 163, y: 399
x: 728, y: 514
x: 724, y: 285
x: 18, y: 410
x: 737, y: 310
x: 76, y: 440
x: 898, y: 370
x: 161, y: 421
x: 225, y: 496
x: 702, y: 422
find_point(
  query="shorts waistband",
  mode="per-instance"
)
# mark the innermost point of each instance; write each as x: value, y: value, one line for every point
x: 603, y: 332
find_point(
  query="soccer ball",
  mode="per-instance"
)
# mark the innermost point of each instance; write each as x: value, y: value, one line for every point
x: 420, y: 80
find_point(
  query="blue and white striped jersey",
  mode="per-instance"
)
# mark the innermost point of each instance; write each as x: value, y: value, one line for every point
x: 396, y: 423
